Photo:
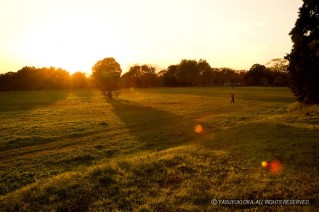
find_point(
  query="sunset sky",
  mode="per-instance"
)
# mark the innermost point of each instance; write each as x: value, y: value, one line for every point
x: 74, y: 34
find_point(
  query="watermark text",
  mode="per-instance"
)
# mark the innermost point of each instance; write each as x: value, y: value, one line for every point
x: 260, y: 202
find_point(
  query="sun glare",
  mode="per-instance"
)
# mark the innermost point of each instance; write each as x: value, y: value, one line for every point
x: 70, y: 47
x: 75, y: 34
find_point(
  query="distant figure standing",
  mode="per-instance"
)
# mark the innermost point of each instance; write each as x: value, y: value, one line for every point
x: 232, y: 98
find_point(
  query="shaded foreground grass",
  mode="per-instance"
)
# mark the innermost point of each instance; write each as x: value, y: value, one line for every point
x: 140, y: 152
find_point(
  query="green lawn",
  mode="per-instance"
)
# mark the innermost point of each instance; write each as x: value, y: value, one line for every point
x: 74, y: 150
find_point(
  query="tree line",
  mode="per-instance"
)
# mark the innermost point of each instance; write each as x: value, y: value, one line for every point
x: 32, y: 78
x: 200, y: 73
x: 299, y: 69
x: 186, y: 73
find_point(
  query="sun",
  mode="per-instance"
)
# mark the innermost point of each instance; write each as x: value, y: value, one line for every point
x: 52, y: 49
x: 71, y: 47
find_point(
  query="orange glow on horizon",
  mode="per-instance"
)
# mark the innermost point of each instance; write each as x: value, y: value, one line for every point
x: 74, y: 34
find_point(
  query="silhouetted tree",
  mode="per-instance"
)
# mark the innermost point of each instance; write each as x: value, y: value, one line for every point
x: 241, y: 77
x: 257, y: 75
x: 61, y: 79
x: 79, y: 80
x: 187, y: 72
x: 193, y: 73
x: 31, y: 78
x: 23, y: 78
x: 160, y: 77
x: 229, y: 76
x: 217, y: 77
x: 278, y: 67
x: 132, y: 78
x: 205, y: 72
x: 106, y: 74
x: 140, y: 76
x: 304, y: 57
x: 281, y: 79
x: 169, y: 78
x: 8, y: 81
x: 149, y: 77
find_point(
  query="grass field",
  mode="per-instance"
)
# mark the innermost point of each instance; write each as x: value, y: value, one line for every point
x: 164, y: 149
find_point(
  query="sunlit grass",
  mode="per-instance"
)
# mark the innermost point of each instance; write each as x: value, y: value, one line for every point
x: 164, y: 149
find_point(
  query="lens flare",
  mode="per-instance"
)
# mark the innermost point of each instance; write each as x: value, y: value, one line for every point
x: 198, y: 128
x: 275, y: 167
x: 264, y: 164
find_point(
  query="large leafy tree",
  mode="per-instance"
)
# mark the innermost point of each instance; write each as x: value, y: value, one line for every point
x: 169, y: 78
x: 79, y: 80
x: 187, y: 72
x: 256, y: 75
x: 205, y: 72
x: 106, y: 74
x: 140, y: 76
x: 278, y: 68
x: 278, y: 65
x: 304, y: 57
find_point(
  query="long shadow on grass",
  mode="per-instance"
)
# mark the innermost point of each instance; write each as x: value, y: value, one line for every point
x: 28, y: 100
x: 294, y: 173
x: 297, y: 147
x: 155, y: 129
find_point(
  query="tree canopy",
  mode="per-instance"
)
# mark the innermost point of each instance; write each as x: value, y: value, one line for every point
x: 106, y: 74
x: 32, y: 78
x: 304, y: 57
x: 187, y: 72
x: 140, y: 76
